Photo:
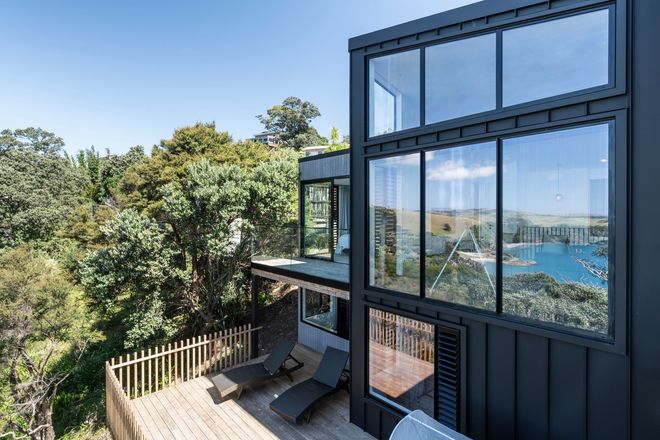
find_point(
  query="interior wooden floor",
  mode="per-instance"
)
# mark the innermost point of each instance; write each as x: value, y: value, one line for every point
x: 193, y: 410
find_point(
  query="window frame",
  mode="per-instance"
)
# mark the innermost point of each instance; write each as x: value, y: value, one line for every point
x: 368, y: 285
x: 616, y: 72
x: 618, y: 197
x: 367, y: 382
x: 421, y: 114
x: 438, y: 325
x: 338, y: 333
x: 301, y: 212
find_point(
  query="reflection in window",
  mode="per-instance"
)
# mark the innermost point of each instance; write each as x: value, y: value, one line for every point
x: 555, y: 227
x: 394, y: 89
x: 320, y: 310
x: 460, y: 78
x: 460, y: 224
x: 401, y: 361
x: 317, y: 227
x: 394, y: 223
x: 555, y: 57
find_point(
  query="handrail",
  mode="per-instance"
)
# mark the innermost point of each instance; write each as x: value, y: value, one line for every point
x: 130, y: 377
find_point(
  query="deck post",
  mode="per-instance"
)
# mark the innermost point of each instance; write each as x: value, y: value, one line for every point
x: 254, y: 335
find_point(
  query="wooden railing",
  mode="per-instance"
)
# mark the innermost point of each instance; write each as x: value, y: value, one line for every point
x: 132, y: 376
x: 405, y: 335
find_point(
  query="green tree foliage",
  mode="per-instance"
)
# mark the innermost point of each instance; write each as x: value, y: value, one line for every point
x: 194, y: 269
x: 335, y: 143
x: 291, y: 120
x: 141, y: 186
x: 136, y: 266
x: 38, y: 186
x: 41, y: 321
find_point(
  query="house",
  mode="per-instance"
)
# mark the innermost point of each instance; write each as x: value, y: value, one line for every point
x: 504, y: 221
x: 487, y: 251
x: 269, y: 138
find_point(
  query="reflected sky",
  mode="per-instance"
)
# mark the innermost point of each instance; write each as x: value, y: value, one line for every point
x: 563, y: 173
x: 460, y: 78
x: 555, y: 57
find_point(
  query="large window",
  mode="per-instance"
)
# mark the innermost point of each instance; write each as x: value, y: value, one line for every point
x: 537, y: 61
x: 394, y: 223
x: 325, y: 311
x: 401, y: 361
x: 460, y: 78
x: 555, y: 57
x: 552, y: 211
x: 460, y: 224
x: 555, y: 227
x: 317, y: 217
x: 394, y: 90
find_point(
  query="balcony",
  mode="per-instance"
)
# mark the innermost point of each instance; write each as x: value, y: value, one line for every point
x: 304, y: 254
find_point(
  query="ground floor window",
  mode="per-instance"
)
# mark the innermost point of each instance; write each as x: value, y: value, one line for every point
x: 325, y: 311
x: 401, y: 361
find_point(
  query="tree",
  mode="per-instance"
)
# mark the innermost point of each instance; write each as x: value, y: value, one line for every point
x: 335, y: 144
x: 214, y: 215
x: 291, y: 120
x: 40, y: 321
x: 137, y: 263
x: 195, y: 265
x: 38, y: 186
x: 140, y: 187
x: 36, y: 139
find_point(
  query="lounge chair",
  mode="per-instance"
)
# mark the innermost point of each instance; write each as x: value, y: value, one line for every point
x: 236, y: 379
x: 296, y: 403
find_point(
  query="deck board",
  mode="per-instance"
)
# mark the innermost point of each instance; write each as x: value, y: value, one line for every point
x: 194, y: 410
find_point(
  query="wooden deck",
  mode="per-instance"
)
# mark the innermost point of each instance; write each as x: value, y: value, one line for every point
x: 193, y: 410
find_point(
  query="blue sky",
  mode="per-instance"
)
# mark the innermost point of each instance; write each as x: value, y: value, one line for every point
x: 122, y: 73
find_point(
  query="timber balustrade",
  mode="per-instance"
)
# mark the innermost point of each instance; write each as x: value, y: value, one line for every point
x: 405, y: 335
x: 135, y: 375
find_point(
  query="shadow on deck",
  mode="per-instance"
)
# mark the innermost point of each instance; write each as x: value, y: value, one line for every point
x: 193, y: 410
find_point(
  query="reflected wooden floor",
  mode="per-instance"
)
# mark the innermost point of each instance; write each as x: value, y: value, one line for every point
x: 193, y: 410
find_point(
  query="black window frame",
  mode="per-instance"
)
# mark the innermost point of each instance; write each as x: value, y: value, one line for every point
x: 342, y: 331
x: 301, y: 212
x: 616, y: 75
x: 618, y: 197
x: 438, y: 325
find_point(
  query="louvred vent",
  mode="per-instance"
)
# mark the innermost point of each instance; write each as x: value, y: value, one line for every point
x: 448, y: 377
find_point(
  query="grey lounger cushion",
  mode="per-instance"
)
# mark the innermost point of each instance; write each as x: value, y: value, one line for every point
x: 296, y: 403
x: 273, y: 366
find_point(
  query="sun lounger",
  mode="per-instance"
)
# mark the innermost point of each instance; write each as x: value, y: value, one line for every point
x: 297, y: 402
x: 235, y: 380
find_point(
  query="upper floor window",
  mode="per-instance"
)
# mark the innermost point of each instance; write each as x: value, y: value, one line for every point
x: 394, y: 221
x: 394, y: 90
x: 538, y: 61
x: 555, y: 57
x: 460, y: 78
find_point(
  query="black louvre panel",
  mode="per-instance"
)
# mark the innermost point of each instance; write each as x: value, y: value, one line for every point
x: 448, y: 377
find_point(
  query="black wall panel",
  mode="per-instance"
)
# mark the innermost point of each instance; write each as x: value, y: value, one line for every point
x: 531, y: 386
x: 522, y: 383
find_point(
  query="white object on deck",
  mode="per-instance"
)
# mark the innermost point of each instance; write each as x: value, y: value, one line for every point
x: 418, y: 425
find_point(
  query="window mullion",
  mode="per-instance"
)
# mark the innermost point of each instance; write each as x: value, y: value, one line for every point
x: 498, y: 231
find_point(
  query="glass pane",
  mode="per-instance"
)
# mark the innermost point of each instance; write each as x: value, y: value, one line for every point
x: 461, y: 203
x: 394, y: 223
x: 401, y: 361
x: 460, y: 78
x: 555, y: 227
x: 320, y: 310
x: 555, y: 57
x: 317, y: 227
x: 394, y: 92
